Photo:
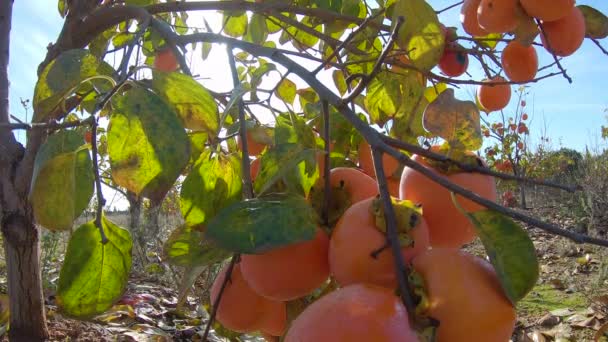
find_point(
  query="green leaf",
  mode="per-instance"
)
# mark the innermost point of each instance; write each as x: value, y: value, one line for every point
x: 431, y: 92
x: 206, y: 49
x: 596, y: 22
x: 511, y: 251
x: 99, y: 45
x: 263, y: 223
x: 339, y: 81
x: 147, y: 145
x: 189, y: 99
x: 62, y: 181
x: 289, y: 163
x: 187, y: 247
x: 213, y: 183
x: 94, y: 276
x: 197, y: 145
x: 286, y: 91
x: 258, y: 31
x: 61, y: 78
x: 62, y: 8
x: 420, y: 33
x: 383, y: 97
x: 235, y: 24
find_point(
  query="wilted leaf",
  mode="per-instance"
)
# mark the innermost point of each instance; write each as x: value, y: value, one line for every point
x: 190, y: 275
x: 94, y: 276
x: 596, y: 22
x: 62, y: 181
x: 189, y: 99
x: 420, y: 33
x: 455, y: 121
x: 187, y: 247
x: 263, y: 223
x: 511, y: 251
x: 147, y: 145
x: 63, y: 75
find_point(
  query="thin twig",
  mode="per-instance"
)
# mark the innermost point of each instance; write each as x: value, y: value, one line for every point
x: 51, y: 126
x: 401, y: 269
x: 100, y: 200
x: 368, y: 78
x: 124, y: 64
x: 473, y: 168
x: 550, y: 48
x: 449, y: 7
x: 216, y: 303
x: 596, y: 42
x: 327, y: 166
x: 346, y: 41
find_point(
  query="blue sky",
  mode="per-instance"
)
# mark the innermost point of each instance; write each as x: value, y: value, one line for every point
x: 571, y: 113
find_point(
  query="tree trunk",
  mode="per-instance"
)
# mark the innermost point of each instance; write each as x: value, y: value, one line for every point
x: 21, y: 239
x: 22, y: 250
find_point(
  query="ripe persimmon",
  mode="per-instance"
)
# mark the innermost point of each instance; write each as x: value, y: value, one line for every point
x: 254, y: 168
x: 448, y: 227
x: 357, y: 184
x: 356, y: 238
x: 468, y: 18
x: 564, y: 36
x: 493, y: 96
x: 254, y: 148
x: 465, y: 295
x: 274, y: 322
x: 498, y: 16
x: 288, y: 272
x: 241, y: 309
x: 88, y: 136
x: 454, y: 61
x: 519, y: 62
x: 165, y: 60
x: 356, y: 313
x: 547, y: 10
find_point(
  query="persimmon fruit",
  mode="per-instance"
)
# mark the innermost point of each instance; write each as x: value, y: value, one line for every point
x: 254, y: 148
x: 465, y: 295
x: 165, y: 60
x: 493, y: 97
x: 519, y: 62
x: 564, y: 36
x: 454, y: 61
x: 356, y: 313
x: 498, y: 16
x: 448, y: 227
x: 355, y: 238
x: 357, y: 184
x: 88, y: 136
x: 468, y: 18
x: 547, y: 10
x: 243, y: 310
x: 288, y: 272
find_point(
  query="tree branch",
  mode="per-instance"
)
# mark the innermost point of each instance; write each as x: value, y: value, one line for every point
x: 473, y: 168
x: 559, y: 65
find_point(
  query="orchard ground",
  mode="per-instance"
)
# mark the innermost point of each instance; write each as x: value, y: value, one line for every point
x: 569, y: 301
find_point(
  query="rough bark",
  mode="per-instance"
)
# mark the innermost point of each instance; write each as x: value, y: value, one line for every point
x: 21, y: 243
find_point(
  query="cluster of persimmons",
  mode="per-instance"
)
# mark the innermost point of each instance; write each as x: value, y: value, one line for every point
x: 347, y: 272
x: 562, y: 33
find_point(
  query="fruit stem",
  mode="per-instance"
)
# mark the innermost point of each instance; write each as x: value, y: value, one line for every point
x: 401, y: 268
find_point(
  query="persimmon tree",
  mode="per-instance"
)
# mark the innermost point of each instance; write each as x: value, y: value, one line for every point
x: 383, y: 100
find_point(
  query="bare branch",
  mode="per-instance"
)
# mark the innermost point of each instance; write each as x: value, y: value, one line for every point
x: 550, y: 48
x: 473, y: 168
x: 327, y: 166
x: 596, y: 42
x: 100, y: 200
x: 51, y: 126
x: 401, y: 269
x: 449, y: 7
